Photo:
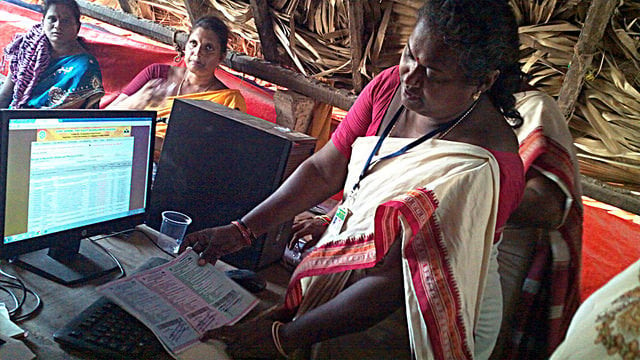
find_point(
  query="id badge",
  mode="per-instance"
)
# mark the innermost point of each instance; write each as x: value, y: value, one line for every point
x: 339, y: 219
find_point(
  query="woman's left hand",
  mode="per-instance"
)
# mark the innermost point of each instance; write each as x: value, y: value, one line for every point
x: 251, y: 339
x: 310, y: 228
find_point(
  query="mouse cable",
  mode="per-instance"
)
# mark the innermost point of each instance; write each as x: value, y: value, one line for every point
x: 95, y: 240
x: 154, y: 243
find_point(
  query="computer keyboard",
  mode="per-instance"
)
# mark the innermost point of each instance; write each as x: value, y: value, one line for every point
x: 107, y: 331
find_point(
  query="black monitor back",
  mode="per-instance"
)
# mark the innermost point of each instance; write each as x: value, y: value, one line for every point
x: 217, y: 164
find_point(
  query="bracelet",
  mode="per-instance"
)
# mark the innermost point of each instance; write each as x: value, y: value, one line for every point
x: 252, y: 235
x: 275, y: 334
x: 326, y: 220
x: 247, y: 235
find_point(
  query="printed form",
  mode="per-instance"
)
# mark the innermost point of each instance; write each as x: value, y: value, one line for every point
x: 180, y: 300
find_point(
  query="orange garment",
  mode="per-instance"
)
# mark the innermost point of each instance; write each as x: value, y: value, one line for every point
x: 227, y: 97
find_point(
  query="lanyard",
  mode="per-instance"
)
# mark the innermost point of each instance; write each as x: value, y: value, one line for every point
x: 387, y: 130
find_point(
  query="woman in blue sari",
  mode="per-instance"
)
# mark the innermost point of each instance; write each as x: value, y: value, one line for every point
x: 49, y: 67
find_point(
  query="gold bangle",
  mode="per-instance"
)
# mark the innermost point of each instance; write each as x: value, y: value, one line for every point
x: 275, y: 334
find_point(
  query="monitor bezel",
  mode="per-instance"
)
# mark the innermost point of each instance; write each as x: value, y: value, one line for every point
x: 12, y: 250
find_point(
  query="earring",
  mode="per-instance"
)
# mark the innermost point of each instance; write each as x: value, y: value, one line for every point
x: 178, y: 56
x: 476, y: 95
x: 180, y: 52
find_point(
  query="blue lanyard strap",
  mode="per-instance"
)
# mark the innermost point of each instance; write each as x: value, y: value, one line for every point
x: 411, y: 145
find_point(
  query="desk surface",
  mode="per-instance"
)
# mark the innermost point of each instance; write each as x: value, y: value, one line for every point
x: 61, y: 303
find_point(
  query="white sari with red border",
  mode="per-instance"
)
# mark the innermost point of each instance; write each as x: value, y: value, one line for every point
x: 546, y: 145
x: 440, y: 199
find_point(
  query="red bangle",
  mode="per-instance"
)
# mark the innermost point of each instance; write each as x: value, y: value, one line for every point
x: 326, y: 220
x: 244, y: 225
x: 247, y: 235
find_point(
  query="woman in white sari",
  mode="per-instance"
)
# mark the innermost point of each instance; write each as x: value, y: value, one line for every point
x: 430, y: 169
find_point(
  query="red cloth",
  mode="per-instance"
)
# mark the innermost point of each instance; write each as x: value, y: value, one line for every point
x: 610, y: 243
x: 366, y: 114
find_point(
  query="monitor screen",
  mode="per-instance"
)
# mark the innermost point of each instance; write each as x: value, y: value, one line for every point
x: 70, y: 174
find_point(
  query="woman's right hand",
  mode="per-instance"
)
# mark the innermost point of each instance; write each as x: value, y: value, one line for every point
x: 212, y: 243
x: 153, y: 93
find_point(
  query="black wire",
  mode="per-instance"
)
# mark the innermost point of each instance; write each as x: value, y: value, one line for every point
x: 7, y: 286
x: 19, y: 304
x: 115, y: 259
x: 154, y: 243
x: 123, y: 232
x: 13, y: 296
x: 22, y: 287
x: 29, y: 314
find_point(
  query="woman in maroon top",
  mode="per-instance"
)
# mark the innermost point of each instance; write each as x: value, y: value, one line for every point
x: 429, y: 163
x: 156, y: 86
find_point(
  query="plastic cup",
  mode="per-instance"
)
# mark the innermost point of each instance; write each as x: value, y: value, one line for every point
x: 174, y: 225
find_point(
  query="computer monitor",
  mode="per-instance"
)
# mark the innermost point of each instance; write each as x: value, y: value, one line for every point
x: 66, y: 175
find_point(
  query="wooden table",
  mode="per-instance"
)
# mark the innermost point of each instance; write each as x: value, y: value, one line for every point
x: 61, y: 303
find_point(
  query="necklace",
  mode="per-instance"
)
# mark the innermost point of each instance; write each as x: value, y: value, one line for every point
x: 184, y: 78
x: 450, y: 126
x: 464, y: 116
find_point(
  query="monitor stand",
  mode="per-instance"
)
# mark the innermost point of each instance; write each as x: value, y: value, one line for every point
x: 69, y: 265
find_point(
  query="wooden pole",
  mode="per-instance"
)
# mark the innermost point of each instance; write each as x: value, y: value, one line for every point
x: 619, y: 198
x: 598, y: 16
x: 356, y: 37
x: 264, y: 23
x: 290, y: 79
x: 197, y: 9
x: 129, y: 6
x: 134, y: 7
x: 293, y: 110
x: 129, y: 22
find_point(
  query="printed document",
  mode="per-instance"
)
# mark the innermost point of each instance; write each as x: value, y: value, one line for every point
x: 180, y: 300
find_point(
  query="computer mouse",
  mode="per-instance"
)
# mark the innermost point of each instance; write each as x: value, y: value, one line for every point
x: 248, y: 279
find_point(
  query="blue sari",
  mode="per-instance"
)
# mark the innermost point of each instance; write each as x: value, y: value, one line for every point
x: 70, y: 81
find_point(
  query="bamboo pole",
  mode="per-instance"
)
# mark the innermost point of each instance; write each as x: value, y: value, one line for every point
x: 197, y: 9
x: 264, y: 23
x: 129, y: 22
x: 290, y: 79
x: 598, y: 16
x: 356, y: 37
x: 619, y: 198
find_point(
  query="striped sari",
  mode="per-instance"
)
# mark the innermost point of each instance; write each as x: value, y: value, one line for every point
x: 550, y: 292
x: 440, y: 200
